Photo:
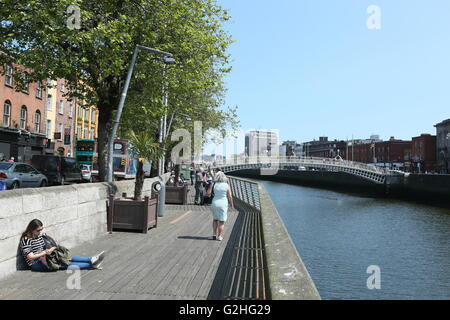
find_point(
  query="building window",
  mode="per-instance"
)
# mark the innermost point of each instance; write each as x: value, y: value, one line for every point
x: 49, y: 102
x: 93, y: 116
x: 62, y: 87
x: 71, y: 110
x: 23, y: 117
x: 61, y: 106
x: 39, y: 90
x: 80, y: 112
x: 91, y: 134
x: 79, y: 132
x: 9, y: 76
x: 6, y: 113
x: 60, y: 131
x: 49, y: 129
x: 37, y: 121
x: 26, y: 84
x: 86, y: 114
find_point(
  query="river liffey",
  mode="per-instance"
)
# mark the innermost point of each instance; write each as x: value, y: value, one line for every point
x: 351, y: 243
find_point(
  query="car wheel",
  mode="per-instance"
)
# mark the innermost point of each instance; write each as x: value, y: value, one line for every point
x: 15, y: 185
x: 43, y: 183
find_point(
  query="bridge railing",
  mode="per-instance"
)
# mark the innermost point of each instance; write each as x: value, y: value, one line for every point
x: 304, y: 161
x: 287, y: 276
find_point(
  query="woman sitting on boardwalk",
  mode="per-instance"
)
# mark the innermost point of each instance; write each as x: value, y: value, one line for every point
x: 34, y: 252
x: 222, y: 195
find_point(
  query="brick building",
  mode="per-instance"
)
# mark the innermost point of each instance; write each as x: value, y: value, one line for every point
x: 42, y: 118
x: 64, y: 120
x: 443, y: 146
x: 423, y: 153
x: 323, y: 148
x: 22, y: 126
x: 393, y: 153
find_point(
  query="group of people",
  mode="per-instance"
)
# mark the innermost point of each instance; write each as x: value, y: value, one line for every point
x: 181, y: 181
x: 204, y: 180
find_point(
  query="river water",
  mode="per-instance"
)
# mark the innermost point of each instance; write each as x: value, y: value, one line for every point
x: 339, y: 236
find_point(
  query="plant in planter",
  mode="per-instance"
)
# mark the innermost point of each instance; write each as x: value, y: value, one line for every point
x: 135, y: 213
x: 176, y: 194
x: 145, y: 147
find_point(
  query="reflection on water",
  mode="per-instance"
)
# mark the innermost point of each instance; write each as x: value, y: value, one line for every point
x: 340, y: 235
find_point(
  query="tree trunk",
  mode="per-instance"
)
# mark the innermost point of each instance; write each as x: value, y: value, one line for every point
x: 139, y: 184
x: 104, y: 131
x: 154, y: 170
x: 177, y: 173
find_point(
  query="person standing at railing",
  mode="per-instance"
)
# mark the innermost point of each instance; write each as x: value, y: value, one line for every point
x: 200, y: 180
x: 192, y: 173
x: 222, y: 196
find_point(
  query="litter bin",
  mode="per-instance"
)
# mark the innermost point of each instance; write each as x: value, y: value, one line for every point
x: 159, y: 188
x: 2, y: 186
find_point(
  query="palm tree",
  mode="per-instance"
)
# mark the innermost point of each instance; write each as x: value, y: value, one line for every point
x: 145, y: 147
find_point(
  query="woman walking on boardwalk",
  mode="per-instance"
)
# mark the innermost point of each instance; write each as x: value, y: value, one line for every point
x: 35, y: 253
x: 221, y: 197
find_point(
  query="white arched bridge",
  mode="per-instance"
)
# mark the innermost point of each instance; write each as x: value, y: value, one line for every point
x: 270, y: 165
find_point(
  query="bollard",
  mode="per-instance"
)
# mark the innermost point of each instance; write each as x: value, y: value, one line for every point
x: 159, y: 188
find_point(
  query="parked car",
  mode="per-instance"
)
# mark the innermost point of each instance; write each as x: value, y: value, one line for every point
x: 58, y: 170
x: 21, y: 175
x: 86, y: 171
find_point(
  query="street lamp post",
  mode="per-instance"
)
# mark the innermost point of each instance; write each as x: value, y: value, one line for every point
x: 163, y: 126
x: 122, y: 102
x: 164, y: 134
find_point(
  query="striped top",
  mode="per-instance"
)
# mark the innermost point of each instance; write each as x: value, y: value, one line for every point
x: 31, y: 246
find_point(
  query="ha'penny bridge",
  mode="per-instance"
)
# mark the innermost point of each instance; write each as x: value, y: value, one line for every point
x: 270, y: 166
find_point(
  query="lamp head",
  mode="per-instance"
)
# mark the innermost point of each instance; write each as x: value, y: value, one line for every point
x: 169, y: 60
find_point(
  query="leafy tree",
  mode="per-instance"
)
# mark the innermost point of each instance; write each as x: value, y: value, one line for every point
x: 94, y: 59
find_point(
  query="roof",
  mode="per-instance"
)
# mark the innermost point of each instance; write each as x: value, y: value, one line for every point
x: 443, y: 123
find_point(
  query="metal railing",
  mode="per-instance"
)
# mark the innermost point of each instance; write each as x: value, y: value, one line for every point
x: 266, y: 264
x: 248, y: 275
x: 246, y: 191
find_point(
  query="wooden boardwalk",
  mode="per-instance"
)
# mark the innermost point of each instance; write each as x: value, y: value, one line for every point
x: 176, y: 260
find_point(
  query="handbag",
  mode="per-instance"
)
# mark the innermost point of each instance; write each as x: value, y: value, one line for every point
x: 212, y: 192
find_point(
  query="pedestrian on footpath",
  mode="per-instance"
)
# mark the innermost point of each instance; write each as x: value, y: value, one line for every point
x: 222, y: 197
x: 35, y: 253
x: 192, y: 173
x: 199, y: 187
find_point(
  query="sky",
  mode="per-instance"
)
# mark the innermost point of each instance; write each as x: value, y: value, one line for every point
x: 311, y: 68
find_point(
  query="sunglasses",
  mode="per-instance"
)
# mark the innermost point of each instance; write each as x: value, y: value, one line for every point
x: 40, y: 229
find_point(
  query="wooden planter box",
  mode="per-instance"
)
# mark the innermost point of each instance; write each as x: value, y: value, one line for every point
x: 176, y: 195
x: 128, y: 214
